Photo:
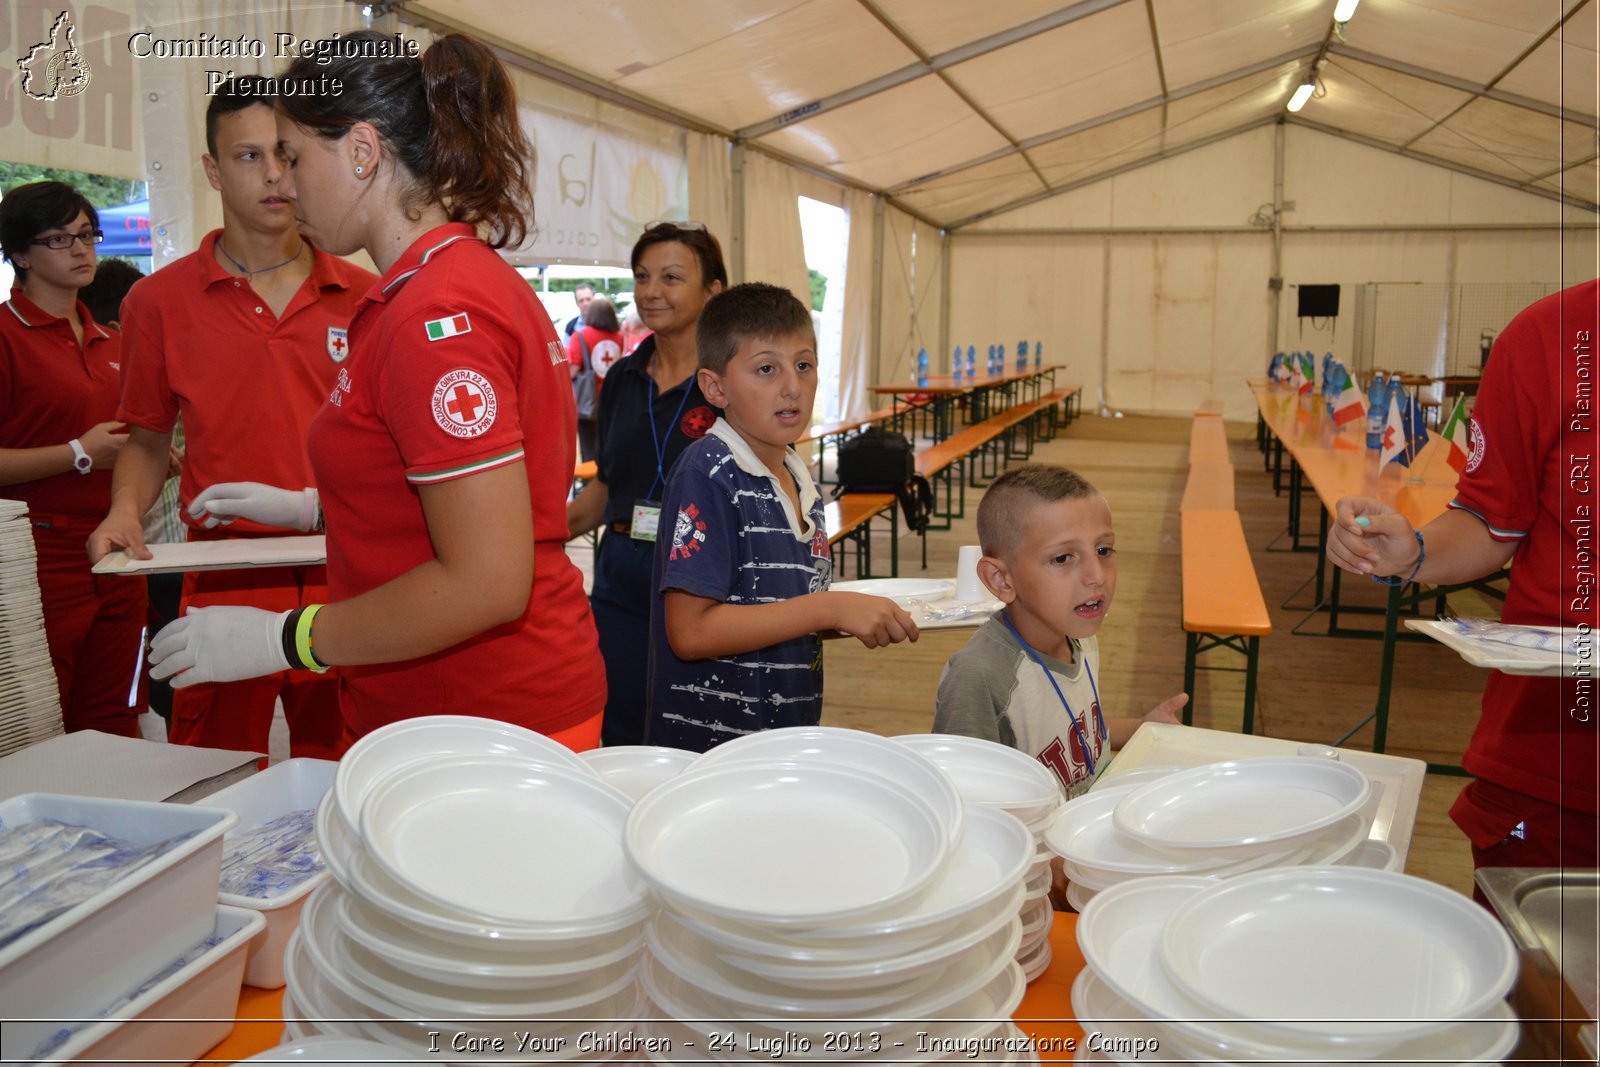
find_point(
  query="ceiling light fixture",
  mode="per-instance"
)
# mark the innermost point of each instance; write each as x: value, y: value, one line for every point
x: 1301, y: 95
x: 1344, y: 10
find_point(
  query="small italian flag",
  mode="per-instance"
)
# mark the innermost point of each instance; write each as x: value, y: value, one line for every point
x: 439, y: 329
x: 1459, y: 435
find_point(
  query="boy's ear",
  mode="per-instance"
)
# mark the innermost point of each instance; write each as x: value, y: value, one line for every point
x: 711, y: 385
x: 996, y: 577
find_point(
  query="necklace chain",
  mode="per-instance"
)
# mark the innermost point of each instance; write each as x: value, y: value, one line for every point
x: 247, y: 272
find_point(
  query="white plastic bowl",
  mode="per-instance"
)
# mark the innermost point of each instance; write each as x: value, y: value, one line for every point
x: 1342, y: 952
x: 637, y: 769
x: 430, y: 736
x: 504, y: 840
x: 785, y: 844
x: 857, y: 749
x: 991, y: 774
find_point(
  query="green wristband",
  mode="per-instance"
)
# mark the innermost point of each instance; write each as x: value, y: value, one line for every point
x: 302, y: 639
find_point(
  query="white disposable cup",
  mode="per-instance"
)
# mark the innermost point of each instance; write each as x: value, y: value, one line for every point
x: 968, y: 587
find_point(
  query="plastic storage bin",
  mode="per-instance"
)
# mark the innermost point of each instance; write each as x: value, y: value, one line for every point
x: 86, y: 959
x: 293, y: 785
x: 184, y: 1014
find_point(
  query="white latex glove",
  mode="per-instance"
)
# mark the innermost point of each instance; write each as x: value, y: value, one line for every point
x: 221, y: 644
x: 293, y: 509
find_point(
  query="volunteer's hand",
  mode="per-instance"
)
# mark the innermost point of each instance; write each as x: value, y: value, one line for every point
x: 1167, y: 710
x: 118, y: 531
x: 1384, y: 545
x: 292, y: 509
x: 103, y: 441
x: 221, y: 644
x: 875, y: 621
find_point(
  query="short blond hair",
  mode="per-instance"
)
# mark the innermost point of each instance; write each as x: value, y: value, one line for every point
x: 1004, y: 510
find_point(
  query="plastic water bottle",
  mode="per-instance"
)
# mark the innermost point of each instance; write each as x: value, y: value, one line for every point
x: 1038, y: 354
x: 1022, y: 356
x: 1377, y: 395
x: 955, y: 363
x: 972, y: 362
x: 988, y: 360
x: 1000, y: 359
x: 922, y: 366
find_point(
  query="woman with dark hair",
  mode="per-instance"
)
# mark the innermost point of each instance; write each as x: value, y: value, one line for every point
x: 445, y: 450
x: 591, y: 350
x: 650, y: 409
x: 59, y: 385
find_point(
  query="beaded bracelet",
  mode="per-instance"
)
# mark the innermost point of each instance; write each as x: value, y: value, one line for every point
x: 1422, y: 554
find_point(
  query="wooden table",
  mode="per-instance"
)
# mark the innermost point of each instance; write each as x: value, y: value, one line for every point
x: 943, y: 389
x: 1045, y: 1013
x: 1337, y: 463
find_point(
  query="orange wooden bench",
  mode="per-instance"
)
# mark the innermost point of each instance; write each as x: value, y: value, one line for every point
x: 1208, y: 442
x: 849, y: 519
x: 1209, y: 406
x: 1222, y: 602
x: 1210, y: 488
x: 586, y: 471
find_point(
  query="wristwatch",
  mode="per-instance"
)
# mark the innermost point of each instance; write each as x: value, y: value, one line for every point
x: 80, y: 459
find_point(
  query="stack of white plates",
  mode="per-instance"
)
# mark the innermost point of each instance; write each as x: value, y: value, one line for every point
x: 1216, y: 821
x: 30, y: 706
x: 1005, y: 779
x: 1298, y: 964
x: 480, y: 889
x: 825, y: 895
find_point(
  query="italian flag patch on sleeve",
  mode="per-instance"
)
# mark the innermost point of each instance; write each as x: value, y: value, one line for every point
x: 439, y: 329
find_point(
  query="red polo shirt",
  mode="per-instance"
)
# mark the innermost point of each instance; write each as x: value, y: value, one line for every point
x: 52, y: 390
x: 457, y: 371
x: 199, y: 342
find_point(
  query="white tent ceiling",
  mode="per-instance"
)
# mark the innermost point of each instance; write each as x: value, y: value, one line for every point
x: 958, y: 110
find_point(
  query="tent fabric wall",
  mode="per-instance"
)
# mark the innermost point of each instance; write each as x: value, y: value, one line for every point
x: 775, y: 250
x: 1152, y: 285
x: 710, y: 183
x: 912, y: 286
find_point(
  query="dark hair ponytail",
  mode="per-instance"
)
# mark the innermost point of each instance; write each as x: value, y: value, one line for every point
x: 450, y: 118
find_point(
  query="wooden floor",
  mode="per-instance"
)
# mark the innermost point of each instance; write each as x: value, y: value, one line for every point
x: 1311, y: 688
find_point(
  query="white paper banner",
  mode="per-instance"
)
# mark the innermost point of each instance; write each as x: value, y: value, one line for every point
x: 596, y: 190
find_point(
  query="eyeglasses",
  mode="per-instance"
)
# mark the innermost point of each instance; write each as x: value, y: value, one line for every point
x: 675, y: 225
x: 59, y: 241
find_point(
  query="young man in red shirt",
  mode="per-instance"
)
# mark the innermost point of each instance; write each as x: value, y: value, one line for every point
x: 243, y: 340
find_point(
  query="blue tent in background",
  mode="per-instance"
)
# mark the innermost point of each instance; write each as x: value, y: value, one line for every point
x: 127, y: 229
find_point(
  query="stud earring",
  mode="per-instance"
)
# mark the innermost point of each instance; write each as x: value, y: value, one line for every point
x: 358, y: 170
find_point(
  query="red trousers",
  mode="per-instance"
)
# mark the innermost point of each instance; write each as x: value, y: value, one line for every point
x: 238, y: 715
x: 95, y: 627
x: 1508, y: 829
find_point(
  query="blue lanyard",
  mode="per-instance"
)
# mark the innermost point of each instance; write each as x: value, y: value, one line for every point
x: 1077, y: 725
x: 659, y: 440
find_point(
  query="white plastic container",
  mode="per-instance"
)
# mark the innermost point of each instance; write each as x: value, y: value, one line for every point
x: 293, y: 785
x: 97, y: 952
x: 182, y: 1016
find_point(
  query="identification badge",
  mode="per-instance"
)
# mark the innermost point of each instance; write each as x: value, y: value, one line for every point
x: 646, y: 521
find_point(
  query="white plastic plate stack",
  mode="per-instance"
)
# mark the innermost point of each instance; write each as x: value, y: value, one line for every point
x: 1005, y: 779
x: 30, y: 705
x: 480, y: 888
x: 1298, y: 964
x: 1215, y: 821
x: 825, y: 895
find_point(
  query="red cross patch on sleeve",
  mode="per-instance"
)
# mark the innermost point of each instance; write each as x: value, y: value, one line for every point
x: 464, y: 403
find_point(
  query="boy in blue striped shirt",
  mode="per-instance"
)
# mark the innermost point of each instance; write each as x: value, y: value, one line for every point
x: 742, y: 565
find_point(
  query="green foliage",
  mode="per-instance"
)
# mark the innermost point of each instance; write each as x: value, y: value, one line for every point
x: 101, y: 190
x: 819, y: 288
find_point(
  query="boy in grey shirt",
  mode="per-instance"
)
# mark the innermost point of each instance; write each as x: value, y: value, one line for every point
x: 1026, y: 679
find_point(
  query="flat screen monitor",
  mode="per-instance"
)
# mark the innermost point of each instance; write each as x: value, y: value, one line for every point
x: 1319, y: 301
